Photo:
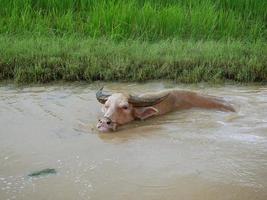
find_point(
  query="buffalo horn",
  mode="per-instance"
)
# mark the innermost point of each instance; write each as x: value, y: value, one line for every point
x: 101, y: 97
x: 146, y: 101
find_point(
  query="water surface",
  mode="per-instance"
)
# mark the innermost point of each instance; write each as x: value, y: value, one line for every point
x: 193, y: 154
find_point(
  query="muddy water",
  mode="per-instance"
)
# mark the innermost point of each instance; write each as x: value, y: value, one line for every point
x: 193, y: 154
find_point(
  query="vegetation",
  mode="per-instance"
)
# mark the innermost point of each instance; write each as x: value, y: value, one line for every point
x: 137, y: 19
x: 43, y: 59
x: 134, y: 40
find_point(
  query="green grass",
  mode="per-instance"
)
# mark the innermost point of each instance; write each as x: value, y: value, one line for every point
x: 45, y: 59
x: 137, y: 19
x: 133, y: 40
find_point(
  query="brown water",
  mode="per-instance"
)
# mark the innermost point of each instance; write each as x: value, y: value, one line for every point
x: 193, y: 154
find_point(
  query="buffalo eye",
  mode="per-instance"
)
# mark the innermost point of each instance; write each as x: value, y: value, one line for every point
x: 125, y: 107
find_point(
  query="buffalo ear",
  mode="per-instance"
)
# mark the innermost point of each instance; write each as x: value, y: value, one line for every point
x: 145, y: 112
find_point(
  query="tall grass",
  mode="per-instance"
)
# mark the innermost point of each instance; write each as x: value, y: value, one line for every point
x: 183, y: 40
x: 137, y: 19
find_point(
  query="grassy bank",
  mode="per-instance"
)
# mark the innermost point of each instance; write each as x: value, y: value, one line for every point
x: 44, y: 59
x: 185, y: 40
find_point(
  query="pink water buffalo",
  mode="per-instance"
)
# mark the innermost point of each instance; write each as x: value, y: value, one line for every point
x: 122, y: 108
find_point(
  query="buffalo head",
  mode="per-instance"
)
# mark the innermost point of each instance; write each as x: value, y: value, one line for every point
x: 120, y: 108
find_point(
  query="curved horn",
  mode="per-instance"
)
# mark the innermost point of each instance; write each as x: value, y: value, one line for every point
x: 101, y: 97
x: 146, y: 101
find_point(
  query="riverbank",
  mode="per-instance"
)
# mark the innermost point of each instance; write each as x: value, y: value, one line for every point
x: 133, y: 40
x: 44, y: 59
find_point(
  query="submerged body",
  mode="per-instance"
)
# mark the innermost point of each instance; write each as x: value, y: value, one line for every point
x: 119, y: 108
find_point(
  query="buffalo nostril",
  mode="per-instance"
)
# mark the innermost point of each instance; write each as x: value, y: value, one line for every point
x: 108, y: 122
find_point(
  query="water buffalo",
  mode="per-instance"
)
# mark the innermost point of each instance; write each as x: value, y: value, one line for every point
x: 122, y: 108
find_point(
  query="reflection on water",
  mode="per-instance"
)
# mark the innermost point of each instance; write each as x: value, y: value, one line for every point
x: 193, y: 154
